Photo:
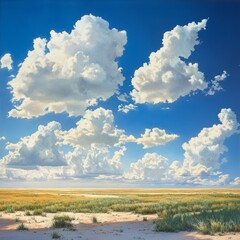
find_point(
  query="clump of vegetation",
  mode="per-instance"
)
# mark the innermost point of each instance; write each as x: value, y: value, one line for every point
x: 37, y: 212
x: 94, y: 220
x: 27, y: 213
x: 62, y: 222
x: 22, y: 227
x: 55, y: 235
x: 10, y: 209
x: 206, y: 222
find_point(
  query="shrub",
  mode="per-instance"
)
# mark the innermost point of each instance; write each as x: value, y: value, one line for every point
x: 94, y: 220
x: 27, y: 213
x: 202, y: 227
x: 22, y: 227
x: 55, y: 235
x: 37, y: 212
x: 10, y: 210
x: 62, y: 222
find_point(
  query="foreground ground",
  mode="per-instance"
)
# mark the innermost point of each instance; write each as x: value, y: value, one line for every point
x: 120, y: 214
x: 114, y: 231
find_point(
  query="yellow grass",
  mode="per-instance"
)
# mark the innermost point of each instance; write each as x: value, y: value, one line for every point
x: 136, y: 200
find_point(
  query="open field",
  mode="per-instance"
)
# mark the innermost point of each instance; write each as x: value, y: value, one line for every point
x: 208, y: 211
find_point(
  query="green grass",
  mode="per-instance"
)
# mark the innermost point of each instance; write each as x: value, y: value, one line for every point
x: 225, y: 220
x: 204, y: 210
x: 62, y: 222
x: 10, y: 209
x: 163, y: 202
x: 37, y: 212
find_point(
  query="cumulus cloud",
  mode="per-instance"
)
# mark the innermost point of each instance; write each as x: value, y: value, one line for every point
x: 167, y: 77
x: 81, y: 163
x: 6, y: 61
x: 37, y: 174
x: 94, y: 161
x: 90, y: 150
x: 215, y: 83
x: 97, y: 148
x: 155, y: 137
x: 71, y: 71
x: 203, y: 152
x: 236, y: 181
x: 38, y: 149
x: 96, y: 128
x: 150, y: 138
x: 202, y: 158
x: 126, y: 108
x: 152, y: 167
x: 218, y: 180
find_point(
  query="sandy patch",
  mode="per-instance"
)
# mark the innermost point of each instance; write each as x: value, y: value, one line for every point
x: 116, y: 231
x: 38, y: 222
x: 111, y: 226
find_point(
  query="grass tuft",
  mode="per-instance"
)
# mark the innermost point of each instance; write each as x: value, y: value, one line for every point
x: 226, y: 220
x: 37, y: 212
x: 22, y: 227
x: 94, y: 220
x: 55, y: 235
x: 62, y: 222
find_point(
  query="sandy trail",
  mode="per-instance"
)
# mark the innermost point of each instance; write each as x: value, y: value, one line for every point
x: 112, y: 226
x: 38, y: 222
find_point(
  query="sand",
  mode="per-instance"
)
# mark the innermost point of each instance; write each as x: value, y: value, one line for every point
x: 111, y: 226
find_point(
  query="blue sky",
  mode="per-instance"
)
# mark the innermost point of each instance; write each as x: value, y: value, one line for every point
x: 179, y: 120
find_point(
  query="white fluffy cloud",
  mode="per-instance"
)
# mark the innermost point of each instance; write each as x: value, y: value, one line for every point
x: 36, y: 174
x: 39, y: 149
x: 215, y: 83
x: 96, y: 128
x: 150, y: 138
x: 235, y: 181
x: 203, y: 152
x: 81, y: 163
x: 69, y: 72
x: 126, y: 108
x: 94, y: 161
x: 6, y: 61
x: 97, y: 148
x: 90, y: 150
x: 156, y: 168
x: 167, y: 77
x: 202, y: 158
x: 152, y: 167
x: 155, y: 137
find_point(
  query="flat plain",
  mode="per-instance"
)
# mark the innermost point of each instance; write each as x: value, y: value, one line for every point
x: 120, y: 213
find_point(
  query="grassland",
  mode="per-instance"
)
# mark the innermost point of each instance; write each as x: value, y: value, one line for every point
x: 204, y: 210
